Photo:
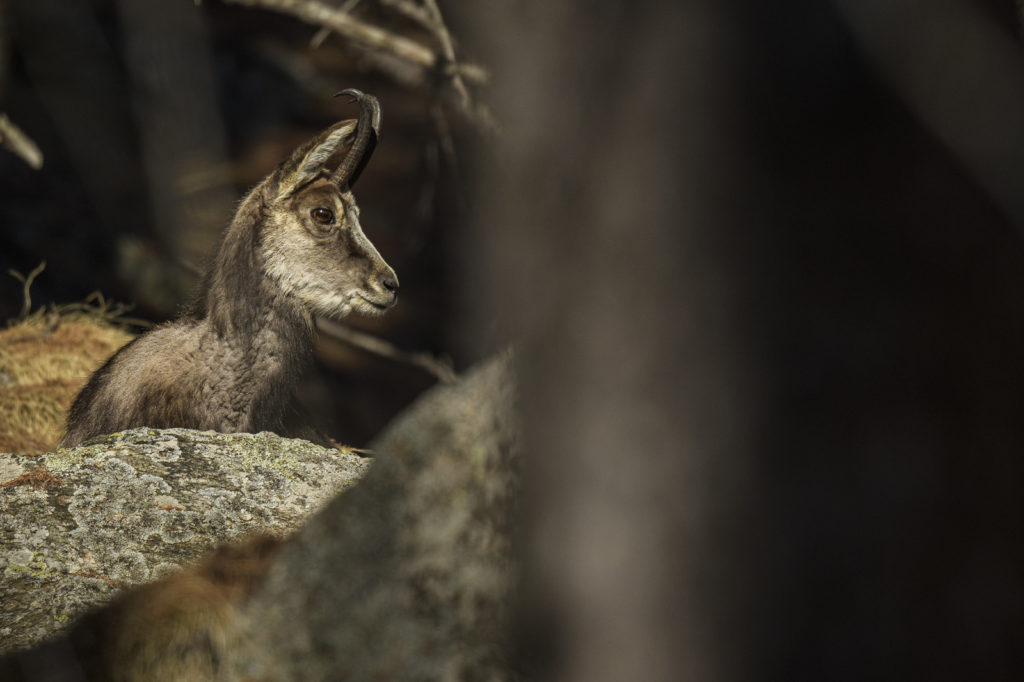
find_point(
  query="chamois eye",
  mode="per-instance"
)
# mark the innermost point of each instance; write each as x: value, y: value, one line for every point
x: 324, y: 216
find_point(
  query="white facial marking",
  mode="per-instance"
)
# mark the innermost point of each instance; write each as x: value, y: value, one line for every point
x: 356, y: 229
x: 291, y: 256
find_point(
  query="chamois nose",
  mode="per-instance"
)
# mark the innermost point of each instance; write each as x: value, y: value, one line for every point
x: 389, y: 282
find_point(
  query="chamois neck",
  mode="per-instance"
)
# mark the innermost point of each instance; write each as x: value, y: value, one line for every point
x: 238, y: 299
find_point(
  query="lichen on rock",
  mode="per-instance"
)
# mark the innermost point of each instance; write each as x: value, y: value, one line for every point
x: 78, y: 525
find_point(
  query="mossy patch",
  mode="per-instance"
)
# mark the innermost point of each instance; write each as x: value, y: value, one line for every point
x: 271, y: 452
x: 37, y: 568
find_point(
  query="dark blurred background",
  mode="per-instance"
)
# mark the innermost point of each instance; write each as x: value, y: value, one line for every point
x: 886, y: 302
x: 775, y: 335
x: 765, y: 260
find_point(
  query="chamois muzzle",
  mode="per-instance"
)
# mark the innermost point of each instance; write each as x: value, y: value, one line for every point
x: 367, y: 132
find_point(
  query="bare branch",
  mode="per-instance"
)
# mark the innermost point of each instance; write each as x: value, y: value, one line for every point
x: 444, y: 40
x: 412, y: 11
x: 378, y: 346
x: 405, y: 60
x: 428, y: 17
x: 321, y: 35
x: 474, y: 73
x: 12, y: 138
x: 362, y: 34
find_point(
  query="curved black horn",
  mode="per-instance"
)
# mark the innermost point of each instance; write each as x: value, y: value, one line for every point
x: 367, y: 132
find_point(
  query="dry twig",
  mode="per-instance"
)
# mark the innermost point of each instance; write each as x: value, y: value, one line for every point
x: 26, y: 304
x: 378, y: 346
x: 95, y: 304
x: 360, y: 33
x: 444, y: 40
x: 427, y: 15
x: 96, y: 576
x: 411, y: 10
x: 406, y: 60
x: 323, y: 33
x: 12, y: 137
x: 36, y: 478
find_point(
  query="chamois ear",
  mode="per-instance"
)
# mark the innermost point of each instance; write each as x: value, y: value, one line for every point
x: 311, y: 159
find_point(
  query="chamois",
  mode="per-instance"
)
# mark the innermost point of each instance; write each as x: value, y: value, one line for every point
x: 231, y: 361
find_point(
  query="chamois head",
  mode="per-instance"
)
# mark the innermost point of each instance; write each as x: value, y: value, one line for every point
x: 312, y: 242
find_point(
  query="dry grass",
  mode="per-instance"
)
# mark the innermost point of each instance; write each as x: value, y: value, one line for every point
x: 44, y: 361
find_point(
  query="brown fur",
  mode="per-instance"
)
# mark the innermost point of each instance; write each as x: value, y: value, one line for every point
x: 231, y: 361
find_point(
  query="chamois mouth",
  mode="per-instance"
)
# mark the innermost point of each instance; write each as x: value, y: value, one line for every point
x: 378, y: 305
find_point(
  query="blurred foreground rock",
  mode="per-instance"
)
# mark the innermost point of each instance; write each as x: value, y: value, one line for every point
x: 405, y: 576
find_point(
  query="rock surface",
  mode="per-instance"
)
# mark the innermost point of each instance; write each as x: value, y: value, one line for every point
x: 406, y: 576
x: 78, y: 525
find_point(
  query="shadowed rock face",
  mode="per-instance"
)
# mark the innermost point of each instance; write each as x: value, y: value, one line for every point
x: 405, y: 576
x: 408, y: 575
x: 78, y: 525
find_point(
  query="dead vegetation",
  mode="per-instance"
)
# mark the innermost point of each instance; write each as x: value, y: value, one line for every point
x: 46, y: 356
